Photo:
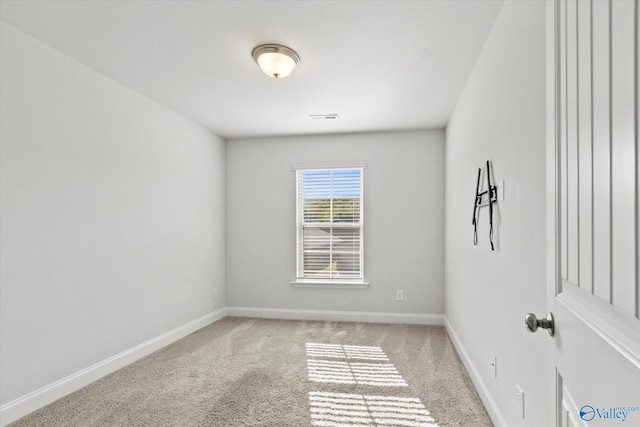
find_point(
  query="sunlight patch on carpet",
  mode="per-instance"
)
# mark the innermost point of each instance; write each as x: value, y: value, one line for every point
x: 355, y: 410
x: 329, y: 409
x: 346, y: 351
x: 338, y: 372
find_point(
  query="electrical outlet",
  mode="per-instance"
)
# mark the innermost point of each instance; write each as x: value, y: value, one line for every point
x: 520, y: 399
x: 399, y: 295
x: 494, y: 365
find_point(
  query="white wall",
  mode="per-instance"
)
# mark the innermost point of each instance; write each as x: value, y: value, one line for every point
x: 501, y: 117
x: 403, y: 208
x: 112, y: 215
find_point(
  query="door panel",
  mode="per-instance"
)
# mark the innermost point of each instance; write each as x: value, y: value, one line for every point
x: 593, y: 168
x: 623, y: 154
x: 637, y: 161
x: 592, y: 371
x: 568, y: 411
x: 570, y: 156
x: 597, y: 88
x: 601, y: 169
x: 585, y: 145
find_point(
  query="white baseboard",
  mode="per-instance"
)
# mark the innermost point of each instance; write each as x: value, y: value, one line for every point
x: 28, y: 403
x: 481, y: 387
x: 337, y: 316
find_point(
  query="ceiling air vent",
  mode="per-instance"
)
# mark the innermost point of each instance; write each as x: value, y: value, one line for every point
x: 323, y: 116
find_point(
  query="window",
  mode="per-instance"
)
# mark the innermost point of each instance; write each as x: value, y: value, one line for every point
x: 329, y: 225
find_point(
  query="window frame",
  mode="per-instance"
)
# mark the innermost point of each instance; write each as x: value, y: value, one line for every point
x: 300, y: 281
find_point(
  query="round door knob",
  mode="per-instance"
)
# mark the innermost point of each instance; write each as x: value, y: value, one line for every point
x: 532, y: 323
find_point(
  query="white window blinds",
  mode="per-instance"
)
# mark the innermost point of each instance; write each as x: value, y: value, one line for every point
x: 329, y: 224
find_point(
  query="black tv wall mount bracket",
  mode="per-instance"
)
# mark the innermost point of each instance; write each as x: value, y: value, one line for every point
x: 482, y: 199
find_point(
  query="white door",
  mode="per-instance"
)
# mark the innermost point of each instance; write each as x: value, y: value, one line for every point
x: 592, y: 211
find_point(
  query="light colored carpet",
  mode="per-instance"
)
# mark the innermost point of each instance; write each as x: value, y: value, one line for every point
x: 257, y: 372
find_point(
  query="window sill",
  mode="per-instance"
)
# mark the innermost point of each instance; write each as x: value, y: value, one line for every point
x: 330, y: 284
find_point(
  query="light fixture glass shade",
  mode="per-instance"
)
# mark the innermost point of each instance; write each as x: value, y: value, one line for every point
x: 275, y: 60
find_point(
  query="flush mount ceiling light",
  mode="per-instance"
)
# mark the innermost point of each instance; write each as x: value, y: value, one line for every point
x: 275, y: 60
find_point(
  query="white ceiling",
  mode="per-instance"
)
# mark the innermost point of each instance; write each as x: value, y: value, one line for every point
x: 380, y: 65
